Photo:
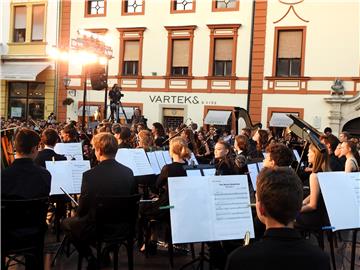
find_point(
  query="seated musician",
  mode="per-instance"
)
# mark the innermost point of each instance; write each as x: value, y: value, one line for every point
x: 69, y: 134
x: 313, y: 212
x: 224, y: 162
x: 179, y: 152
x: 23, y: 179
x: 331, y: 142
x: 108, y: 178
x: 278, y: 201
x: 278, y: 155
x: 49, y: 138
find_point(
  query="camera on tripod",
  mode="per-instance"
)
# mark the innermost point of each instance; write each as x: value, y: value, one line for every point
x: 115, y: 94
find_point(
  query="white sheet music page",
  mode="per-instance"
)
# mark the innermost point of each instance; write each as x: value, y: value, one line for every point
x: 194, y: 172
x: 253, y: 172
x: 135, y: 159
x: 231, y: 210
x: 67, y: 174
x: 209, y: 172
x: 153, y: 162
x: 167, y: 157
x: 341, y: 193
x: 209, y: 208
x: 160, y: 159
x: 70, y: 150
x: 193, y: 159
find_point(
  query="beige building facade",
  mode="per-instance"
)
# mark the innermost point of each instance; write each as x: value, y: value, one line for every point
x: 28, y: 76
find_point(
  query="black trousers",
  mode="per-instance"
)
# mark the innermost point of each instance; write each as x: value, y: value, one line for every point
x: 81, y: 234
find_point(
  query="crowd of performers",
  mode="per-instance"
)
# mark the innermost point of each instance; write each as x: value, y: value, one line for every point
x: 230, y: 153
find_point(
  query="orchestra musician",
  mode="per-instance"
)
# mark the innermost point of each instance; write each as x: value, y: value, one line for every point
x: 23, y: 179
x: 107, y: 178
x: 49, y: 138
x: 278, y: 201
x: 179, y: 153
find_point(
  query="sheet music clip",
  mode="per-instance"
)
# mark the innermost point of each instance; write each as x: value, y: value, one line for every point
x: 246, y: 238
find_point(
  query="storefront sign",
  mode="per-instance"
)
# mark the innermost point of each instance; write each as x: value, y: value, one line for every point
x: 178, y: 99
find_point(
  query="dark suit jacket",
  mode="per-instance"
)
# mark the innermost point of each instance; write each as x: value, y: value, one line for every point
x: 280, y: 249
x: 47, y: 155
x: 108, y: 178
x: 25, y: 180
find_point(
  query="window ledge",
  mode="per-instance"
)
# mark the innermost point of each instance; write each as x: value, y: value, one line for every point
x: 287, y: 78
x: 131, y: 77
x: 173, y: 77
x: 27, y: 43
x: 221, y: 77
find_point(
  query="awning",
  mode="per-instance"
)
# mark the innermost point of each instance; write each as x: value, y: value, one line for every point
x: 16, y: 71
x: 217, y: 117
x: 280, y: 120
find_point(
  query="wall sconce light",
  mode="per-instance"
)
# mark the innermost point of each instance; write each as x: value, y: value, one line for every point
x: 66, y: 82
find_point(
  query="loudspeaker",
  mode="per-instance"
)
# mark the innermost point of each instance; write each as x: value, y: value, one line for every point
x: 98, y: 77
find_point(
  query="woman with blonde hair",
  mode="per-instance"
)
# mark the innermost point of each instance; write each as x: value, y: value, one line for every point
x: 313, y: 211
x: 179, y: 153
x: 349, y: 150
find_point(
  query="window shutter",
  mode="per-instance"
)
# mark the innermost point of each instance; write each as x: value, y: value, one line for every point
x: 180, y: 56
x: 223, y: 49
x: 290, y: 43
x: 131, y: 50
x: 20, y: 17
x: 38, y: 22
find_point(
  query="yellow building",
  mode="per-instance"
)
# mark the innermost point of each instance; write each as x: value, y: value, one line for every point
x: 27, y: 75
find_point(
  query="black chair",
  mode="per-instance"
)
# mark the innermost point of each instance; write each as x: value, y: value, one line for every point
x: 116, y: 218
x: 23, y: 228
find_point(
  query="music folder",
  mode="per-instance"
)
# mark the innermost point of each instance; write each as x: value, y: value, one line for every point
x: 209, y: 208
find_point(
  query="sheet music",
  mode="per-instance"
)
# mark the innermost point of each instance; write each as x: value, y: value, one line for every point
x: 135, y: 159
x: 343, y: 211
x: 67, y: 174
x: 70, y: 150
x: 231, y: 211
x: 253, y: 172
x: 167, y: 157
x: 196, y: 172
x: 160, y: 159
x: 209, y: 172
x: 217, y: 205
x: 153, y: 162
x: 297, y: 156
x: 192, y: 158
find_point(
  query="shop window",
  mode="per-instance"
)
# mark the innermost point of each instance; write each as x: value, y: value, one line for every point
x: 26, y: 100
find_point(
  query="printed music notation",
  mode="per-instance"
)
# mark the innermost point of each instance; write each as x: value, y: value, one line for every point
x: 209, y: 208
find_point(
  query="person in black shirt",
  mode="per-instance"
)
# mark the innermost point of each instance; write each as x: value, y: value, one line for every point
x: 159, y: 134
x: 23, y: 179
x: 179, y: 152
x: 49, y: 138
x: 108, y: 178
x: 278, y: 201
x: 331, y: 142
x: 223, y: 160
